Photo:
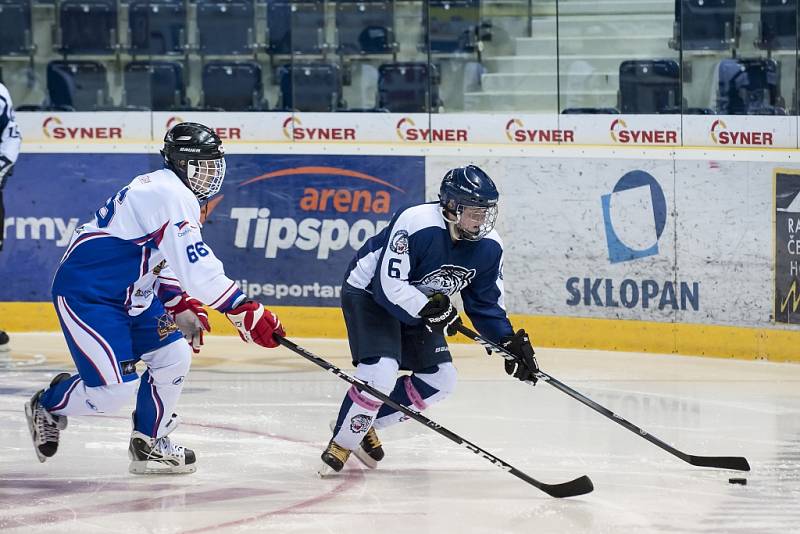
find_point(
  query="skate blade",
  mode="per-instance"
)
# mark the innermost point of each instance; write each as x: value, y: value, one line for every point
x: 325, y: 471
x: 147, y: 468
x: 365, y: 458
x: 29, y: 417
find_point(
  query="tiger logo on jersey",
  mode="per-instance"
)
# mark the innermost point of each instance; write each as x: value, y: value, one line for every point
x: 399, y: 242
x: 448, y: 279
x: 360, y: 423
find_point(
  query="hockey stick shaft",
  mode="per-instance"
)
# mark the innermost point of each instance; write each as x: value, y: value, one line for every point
x: 722, y: 462
x: 579, y: 486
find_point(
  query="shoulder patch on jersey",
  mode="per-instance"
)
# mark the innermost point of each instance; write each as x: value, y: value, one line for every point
x: 184, y: 227
x: 160, y: 267
x: 399, y: 242
x: 447, y: 279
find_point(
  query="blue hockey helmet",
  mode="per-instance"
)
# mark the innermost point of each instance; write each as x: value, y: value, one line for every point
x: 469, y: 202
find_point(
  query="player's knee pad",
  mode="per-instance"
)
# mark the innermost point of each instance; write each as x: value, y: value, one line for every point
x: 110, y: 398
x: 381, y: 375
x: 169, y: 364
x: 443, y: 379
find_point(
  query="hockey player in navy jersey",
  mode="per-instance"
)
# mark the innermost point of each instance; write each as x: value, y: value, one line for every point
x: 396, y: 304
x: 121, y: 293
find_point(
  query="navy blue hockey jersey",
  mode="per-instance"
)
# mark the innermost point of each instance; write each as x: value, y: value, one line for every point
x: 415, y: 257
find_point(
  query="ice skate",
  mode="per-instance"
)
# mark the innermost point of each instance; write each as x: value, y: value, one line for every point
x: 370, y: 452
x: 333, y: 459
x: 45, y: 427
x: 5, y: 345
x: 155, y: 456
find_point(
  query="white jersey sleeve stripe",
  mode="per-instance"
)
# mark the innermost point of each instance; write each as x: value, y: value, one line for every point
x: 156, y: 236
x: 225, y: 295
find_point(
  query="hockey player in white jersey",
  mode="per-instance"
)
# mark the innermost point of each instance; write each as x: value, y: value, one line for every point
x: 143, y: 246
x: 9, y: 150
x: 397, y: 309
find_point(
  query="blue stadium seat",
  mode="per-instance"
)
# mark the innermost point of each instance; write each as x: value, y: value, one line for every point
x: 234, y: 86
x: 311, y: 87
x: 454, y: 26
x: 88, y: 26
x: 408, y: 88
x: 705, y: 24
x: 779, y: 24
x: 157, y: 27
x: 365, y: 27
x: 15, y: 27
x: 77, y: 85
x: 156, y: 85
x: 295, y: 27
x: 226, y: 27
x: 650, y: 86
x: 749, y: 87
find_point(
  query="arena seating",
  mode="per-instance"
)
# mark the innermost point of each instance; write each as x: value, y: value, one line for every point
x: 15, y: 27
x: 88, y: 27
x: 157, y: 27
x: 650, y: 86
x: 233, y: 86
x: 749, y: 87
x: 365, y: 27
x: 77, y: 85
x: 408, y: 88
x: 156, y: 85
x: 311, y: 87
x: 225, y: 27
x: 296, y: 27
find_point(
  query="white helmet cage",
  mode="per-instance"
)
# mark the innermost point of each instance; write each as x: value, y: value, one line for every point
x: 473, y: 222
x: 205, y: 176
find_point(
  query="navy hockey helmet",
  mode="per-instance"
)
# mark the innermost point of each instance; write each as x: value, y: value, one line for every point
x: 194, y: 152
x: 469, y: 201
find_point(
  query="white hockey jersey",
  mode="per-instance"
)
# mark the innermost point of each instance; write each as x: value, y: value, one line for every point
x: 145, y: 238
x: 9, y: 131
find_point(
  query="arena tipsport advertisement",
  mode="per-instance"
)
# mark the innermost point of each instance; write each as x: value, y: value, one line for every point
x: 288, y: 226
x: 285, y: 227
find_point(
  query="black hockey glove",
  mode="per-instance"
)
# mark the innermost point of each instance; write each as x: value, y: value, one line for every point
x: 523, y: 366
x: 5, y: 170
x: 440, y: 315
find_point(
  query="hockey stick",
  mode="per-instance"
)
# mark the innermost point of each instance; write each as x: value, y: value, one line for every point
x: 722, y: 462
x: 579, y: 486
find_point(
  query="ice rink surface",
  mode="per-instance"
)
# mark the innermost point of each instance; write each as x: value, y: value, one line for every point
x: 258, y: 421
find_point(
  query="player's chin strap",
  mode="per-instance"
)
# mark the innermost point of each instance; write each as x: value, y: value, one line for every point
x: 722, y: 462
x: 578, y: 486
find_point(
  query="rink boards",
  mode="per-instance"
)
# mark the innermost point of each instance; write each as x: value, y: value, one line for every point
x: 656, y: 248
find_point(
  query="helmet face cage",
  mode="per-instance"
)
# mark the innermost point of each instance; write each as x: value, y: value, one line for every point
x: 469, y: 201
x: 473, y: 223
x: 205, y: 176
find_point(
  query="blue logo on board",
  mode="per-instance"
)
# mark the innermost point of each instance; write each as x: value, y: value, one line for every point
x: 634, y: 216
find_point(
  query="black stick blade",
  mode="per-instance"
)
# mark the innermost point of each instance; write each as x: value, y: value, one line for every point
x: 573, y: 488
x: 721, y: 462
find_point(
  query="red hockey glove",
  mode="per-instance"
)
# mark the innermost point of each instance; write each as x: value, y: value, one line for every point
x: 256, y: 324
x: 191, y: 319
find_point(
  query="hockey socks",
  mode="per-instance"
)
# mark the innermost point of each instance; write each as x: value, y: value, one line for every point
x: 419, y: 390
